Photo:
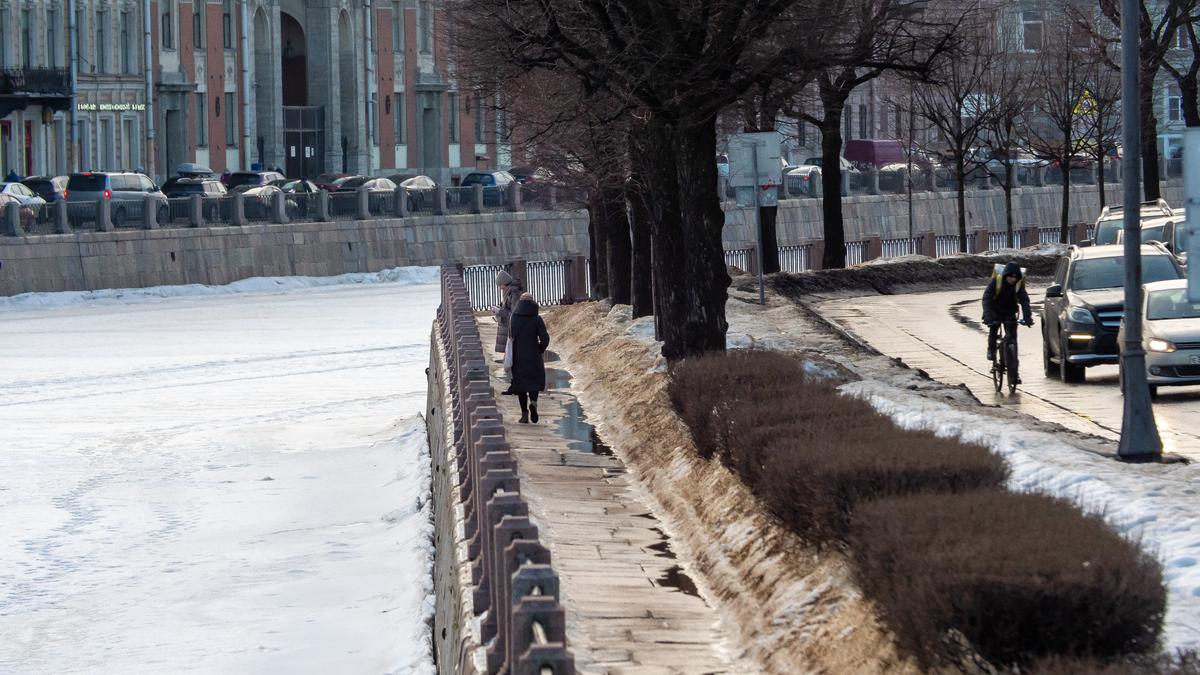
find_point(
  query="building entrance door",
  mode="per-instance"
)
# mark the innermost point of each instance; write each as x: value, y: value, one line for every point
x: 304, y: 141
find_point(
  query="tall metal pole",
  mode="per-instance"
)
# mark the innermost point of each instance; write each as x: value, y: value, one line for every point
x: 1139, y: 433
x: 762, y: 290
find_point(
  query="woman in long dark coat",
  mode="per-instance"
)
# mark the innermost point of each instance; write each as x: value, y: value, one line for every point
x: 510, y: 289
x: 530, y: 339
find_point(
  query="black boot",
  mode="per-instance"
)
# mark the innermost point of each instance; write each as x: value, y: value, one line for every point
x: 524, y: 417
x: 991, y: 353
x: 533, y: 416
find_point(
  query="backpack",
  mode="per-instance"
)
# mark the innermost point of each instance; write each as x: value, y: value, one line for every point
x: 998, y: 278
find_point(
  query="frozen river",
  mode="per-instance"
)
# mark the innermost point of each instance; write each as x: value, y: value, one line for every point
x: 222, y: 480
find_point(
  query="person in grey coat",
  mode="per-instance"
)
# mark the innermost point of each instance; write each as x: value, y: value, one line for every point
x: 510, y: 289
x: 530, y: 340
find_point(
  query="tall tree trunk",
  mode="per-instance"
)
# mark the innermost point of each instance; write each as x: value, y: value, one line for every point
x: 666, y: 231
x: 1100, y: 179
x: 831, y: 180
x: 620, y: 249
x: 1064, y: 216
x: 598, y: 233
x: 700, y: 324
x: 641, y: 295
x: 1009, y: 174
x: 1149, y: 140
x: 960, y: 165
x: 767, y: 217
x: 1189, y: 91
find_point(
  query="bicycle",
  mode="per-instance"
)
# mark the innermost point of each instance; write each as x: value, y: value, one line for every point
x: 1007, y: 361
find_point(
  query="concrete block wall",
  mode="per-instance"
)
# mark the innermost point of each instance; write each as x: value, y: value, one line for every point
x: 886, y: 216
x: 220, y: 255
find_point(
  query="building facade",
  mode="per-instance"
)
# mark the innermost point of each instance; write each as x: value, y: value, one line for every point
x: 311, y: 86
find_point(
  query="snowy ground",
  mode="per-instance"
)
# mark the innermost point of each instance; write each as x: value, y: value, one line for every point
x: 222, y: 480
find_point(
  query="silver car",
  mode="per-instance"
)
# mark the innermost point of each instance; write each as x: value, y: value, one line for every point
x: 1171, y: 335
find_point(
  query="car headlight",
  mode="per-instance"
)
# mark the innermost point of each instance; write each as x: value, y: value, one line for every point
x: 1080, y: 315
x: 1157, y: 345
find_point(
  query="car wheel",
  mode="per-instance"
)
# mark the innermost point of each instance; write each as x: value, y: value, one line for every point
x: 1069, y: 372
x: 1121, y: 378
x: 1048, y: 365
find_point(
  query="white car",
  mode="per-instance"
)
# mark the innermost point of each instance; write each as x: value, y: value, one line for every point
x: 24, y: 196
x: 1170, y: 335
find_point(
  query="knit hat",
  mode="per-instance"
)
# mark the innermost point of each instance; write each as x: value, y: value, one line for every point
x: 503, y: 278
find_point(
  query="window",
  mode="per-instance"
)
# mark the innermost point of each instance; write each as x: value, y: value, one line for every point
x: 373, y: 118
x: 480, y: 115
x: 863, y: 132
x: 201, y: 119
x: 26, y: 38
x: 129, y: 146
x: 425, y: 30
x: 107, y: 146
x: 452, y: 106
x: 899, y: 121
x: 52, y: 37
x: 230, y: 121
x: 82, y: 33
x: 1174, y: 108
x: 84, y: 141
x: 168, y: 25
x: 198, y: 25
x: 227, y: 22
x: 126, y: 43
x: 398, y: 27
x: 102, y: 41
x: 398, y: 116
x: 1031, y: 30
x: 801, y: 133
x: 848, y: 123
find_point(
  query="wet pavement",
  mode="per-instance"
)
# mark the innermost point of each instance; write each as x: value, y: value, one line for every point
x: 631, y: 607
x: 940, y: 333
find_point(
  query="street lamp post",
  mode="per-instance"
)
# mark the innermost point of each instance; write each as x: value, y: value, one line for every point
x: 1139, y: 433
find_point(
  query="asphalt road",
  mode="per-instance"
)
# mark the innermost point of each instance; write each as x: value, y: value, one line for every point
x: 941, y: 334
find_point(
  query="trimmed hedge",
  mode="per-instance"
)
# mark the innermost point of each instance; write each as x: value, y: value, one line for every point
x: 1022, y: 576
x: 935, y: 540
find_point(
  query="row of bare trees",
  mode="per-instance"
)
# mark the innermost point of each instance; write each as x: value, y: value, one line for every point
x: 625, y: 98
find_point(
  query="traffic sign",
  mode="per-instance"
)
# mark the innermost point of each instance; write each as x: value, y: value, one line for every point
x: 742, y: 150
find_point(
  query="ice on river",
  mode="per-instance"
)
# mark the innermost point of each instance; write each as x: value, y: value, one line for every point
x: 229, y: 479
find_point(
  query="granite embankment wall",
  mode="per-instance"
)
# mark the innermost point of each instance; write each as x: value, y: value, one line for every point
x: 886, y: 216
x: 220, y: 255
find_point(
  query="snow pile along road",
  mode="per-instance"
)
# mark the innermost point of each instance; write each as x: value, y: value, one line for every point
x: 1150, y: 503
x: 217, y: 479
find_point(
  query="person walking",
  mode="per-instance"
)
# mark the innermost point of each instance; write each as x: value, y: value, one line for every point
x: 510, y: 291
x: 529, y: 342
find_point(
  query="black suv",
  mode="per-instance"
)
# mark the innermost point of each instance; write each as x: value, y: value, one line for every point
x: 1083, y: 308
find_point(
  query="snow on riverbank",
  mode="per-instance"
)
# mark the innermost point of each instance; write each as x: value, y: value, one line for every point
x: 1151, y: 503
x: 235, y: 480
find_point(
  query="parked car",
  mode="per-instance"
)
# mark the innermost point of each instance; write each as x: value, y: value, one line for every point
x: 1171, y: 233
x: 186, y: 187
x: 1112, y: 219
x: 299, y: 187
x: 803, y: 181
x: 258, y: 202
x: 48, y: 188
x: 121, y: 187
x: 1082, y: 313
x: 22, y: 193
x: 495, y: 185
x: 420, y: 191
x: 857, y: 179
x: 25, y: 213
x: 326, y: 180
x: 240, y: 180
x: 531, y: 174
x: 1170, y: 335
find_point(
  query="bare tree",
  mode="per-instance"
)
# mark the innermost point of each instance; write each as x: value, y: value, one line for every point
x: 956, y: 102
x: 1008, y: 86
x: 1102, y: 117
x: 1187, y: 78
x: 1057, y: 126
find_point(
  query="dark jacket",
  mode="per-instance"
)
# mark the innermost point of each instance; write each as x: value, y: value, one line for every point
x: 512, y: 294
x: 530, y: 339
x: 1001, y: 300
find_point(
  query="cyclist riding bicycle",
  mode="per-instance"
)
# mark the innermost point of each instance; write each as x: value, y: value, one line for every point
x: 1005, y: 294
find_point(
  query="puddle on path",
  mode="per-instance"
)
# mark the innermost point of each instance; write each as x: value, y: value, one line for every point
x: 573, y: 425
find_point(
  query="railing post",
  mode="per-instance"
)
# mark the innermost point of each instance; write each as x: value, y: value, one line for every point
x: 514, y: 196
x: 12, y: 220
x: 323, y: 206
x: 61, y: 224
x: 929, y: 244
x: 439, y: 203
x: 874, y: 248
x: 845, y: 183
x: 551, y: 197
x: 237, y: 215
x: 401, y: 202
x: 363, y: 210
x: 981, y: 240
x: 149, y: 212
x: 477, y: 198
x: 104, y: 215
x: 196, y: 211
x: 816, y: 254
x: 1039, y: 176
x: 874, y: 180
x: 279, y: 208
x: 933, y: 180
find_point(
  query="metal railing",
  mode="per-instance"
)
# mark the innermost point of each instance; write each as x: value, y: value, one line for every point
x: 302, y: 206
x: 947, y: 244
x: 894, y: 248
x: 999, y: 240
x: 127, y: 213
x: 38, y: 218
x: 795, y: 259
x: 83, y: 215
x: 343, y: 205
x: 548, y: 280
x: 515, y: 590
x: 460, y: 199
x: 1048, y: 235
x: 741, y: 258
x: 258, y: 209
x: 482, y: 290
x: 179, y: 212
x: 856, y: 252
x: 382, y: 204
x: 422, y: 201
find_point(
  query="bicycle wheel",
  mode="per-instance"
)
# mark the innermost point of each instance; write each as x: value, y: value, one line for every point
x: 998, y: 372
x: 1011, y: 357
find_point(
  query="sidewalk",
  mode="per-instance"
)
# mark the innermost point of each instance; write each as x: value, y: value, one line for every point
x: 630, y: 607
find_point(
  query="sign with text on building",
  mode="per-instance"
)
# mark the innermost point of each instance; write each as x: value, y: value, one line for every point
x: 110, y: 107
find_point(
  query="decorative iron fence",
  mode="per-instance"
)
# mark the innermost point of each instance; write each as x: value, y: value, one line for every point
x: 343, y: 205
x: 548, y: 280
x: 947, y: 244
x: 795, y: 259
x: 739, y: 258
x: 856, y: 252
x: 127, y: 213
x: 894, y: 248
x: 481, y: 286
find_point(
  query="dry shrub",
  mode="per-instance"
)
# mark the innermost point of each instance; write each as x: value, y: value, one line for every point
x: 1181, y: 663
x: 1021, y: 576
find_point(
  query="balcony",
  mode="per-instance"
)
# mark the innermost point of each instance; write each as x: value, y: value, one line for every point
x: 35, y: 82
